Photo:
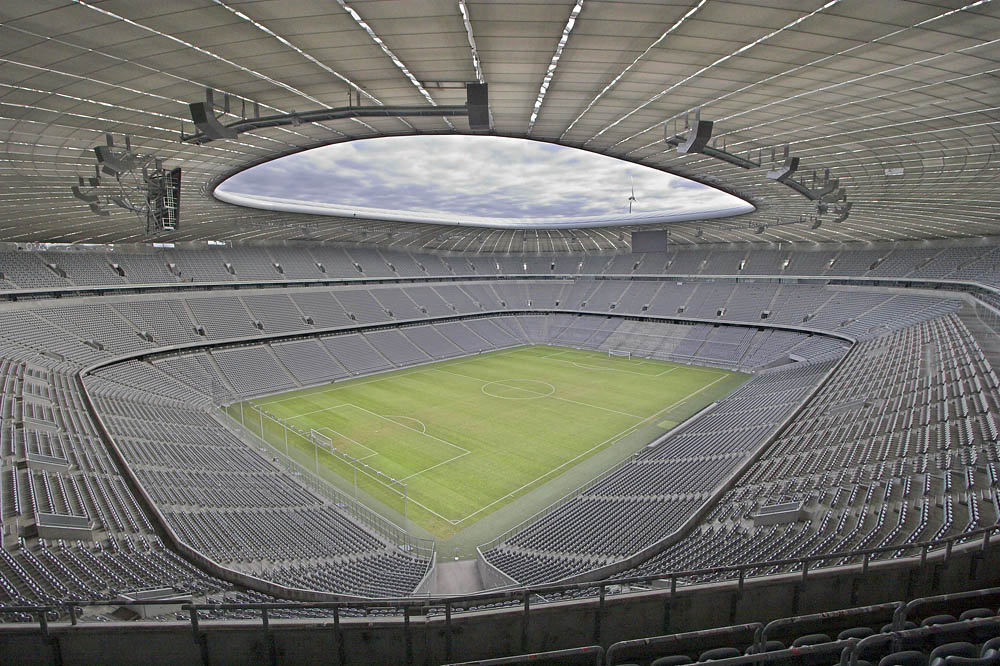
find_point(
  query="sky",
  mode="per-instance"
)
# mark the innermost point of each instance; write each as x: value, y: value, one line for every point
x: 484, y: 177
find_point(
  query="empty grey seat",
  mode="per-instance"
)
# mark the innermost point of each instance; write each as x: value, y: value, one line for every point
x: 672, y: 660
x: 975, y: 613
x: 718, y: 653
x: 769, y: 646
x: 810, y: 639
x: 904, y: 658
x: 960, y: 649
x: 855, y: 632
x: 906, y: 625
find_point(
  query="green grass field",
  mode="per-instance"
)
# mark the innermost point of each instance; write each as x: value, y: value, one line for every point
x: 472, y: 435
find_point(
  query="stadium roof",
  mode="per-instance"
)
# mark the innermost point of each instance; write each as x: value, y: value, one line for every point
x: 900, y: 100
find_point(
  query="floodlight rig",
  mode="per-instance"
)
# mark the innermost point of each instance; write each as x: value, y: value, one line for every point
x: 842, y: 210
x: 211, y: 128
x: 835, y: 202
x: 133, y: 181
x: 821, y: 188
x: 695, y: 137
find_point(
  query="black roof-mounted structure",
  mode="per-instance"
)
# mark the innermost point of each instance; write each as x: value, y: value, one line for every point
x: 695, y: 136
x: 822, y: 188
x: 476, y: 109
x: 699, y: 133
x: 132, y: 181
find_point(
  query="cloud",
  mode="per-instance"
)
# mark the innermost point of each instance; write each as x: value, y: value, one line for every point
x: 480, y: 176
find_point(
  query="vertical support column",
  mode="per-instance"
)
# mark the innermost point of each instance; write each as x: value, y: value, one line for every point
x: 524, y: 621
x: 408, y: 636
x: 199, y: 638
x: 599, y: 616
x: 341, y: 649
x: 447, y: 630
x: 272, y: 648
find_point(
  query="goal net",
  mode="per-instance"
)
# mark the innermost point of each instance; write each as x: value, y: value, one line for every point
x: 620, y: 352
x: 321, y: 439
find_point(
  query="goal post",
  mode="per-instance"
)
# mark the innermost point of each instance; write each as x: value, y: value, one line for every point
x: 625, y: 353
x: 322, y: 440
x: 315, y: 452
x: 371, y: 479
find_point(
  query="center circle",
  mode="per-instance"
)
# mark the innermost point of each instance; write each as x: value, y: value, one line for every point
x: 518, y: 389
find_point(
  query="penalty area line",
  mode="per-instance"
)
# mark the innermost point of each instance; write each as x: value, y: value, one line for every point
x: 611, y: 439
x: 351, y: 440
x: 443, y: 462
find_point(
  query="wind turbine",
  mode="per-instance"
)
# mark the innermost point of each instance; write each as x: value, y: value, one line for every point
x: 631, y: 198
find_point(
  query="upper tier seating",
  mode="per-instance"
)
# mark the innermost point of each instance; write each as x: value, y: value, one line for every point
x: 27, y: 270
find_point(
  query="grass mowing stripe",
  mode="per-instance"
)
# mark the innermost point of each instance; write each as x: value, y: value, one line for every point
x: 465, y: 453
x: 538, y: 393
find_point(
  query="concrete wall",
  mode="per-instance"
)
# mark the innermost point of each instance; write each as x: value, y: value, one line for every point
x: 490, y: 575
x: 500, y: 632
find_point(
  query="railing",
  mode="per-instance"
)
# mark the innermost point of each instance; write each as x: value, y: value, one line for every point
x: 989, y: 316
x: 848, y: 649
x: 895, y: 635
x: 593, y: 654
x: 527, y: 597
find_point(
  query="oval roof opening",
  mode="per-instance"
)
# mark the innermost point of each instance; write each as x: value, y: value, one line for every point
x: 481, y: 181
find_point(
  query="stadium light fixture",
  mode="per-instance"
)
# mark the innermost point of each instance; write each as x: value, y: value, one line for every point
x: 210, y: 128
x: 135, y: 182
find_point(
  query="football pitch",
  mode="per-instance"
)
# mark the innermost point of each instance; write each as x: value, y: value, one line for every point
x: 472, y: 435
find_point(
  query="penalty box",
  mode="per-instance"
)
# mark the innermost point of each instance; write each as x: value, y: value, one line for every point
x: 394, y: 445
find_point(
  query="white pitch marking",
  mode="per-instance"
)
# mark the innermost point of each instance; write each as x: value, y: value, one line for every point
x: 598, y: 367
x: 353, y: 441
x: 413, y: 501
x: 613, y: 437
x: 464, y: 452
x: 554, y: 397
x: 546, y: 474
x: 443, y: 462
x: 402, y: 372
x: 401, y: 425
x: 535, y: 395
x: 393, y: 417
x: 316, y: 411
x: 443, y: 441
